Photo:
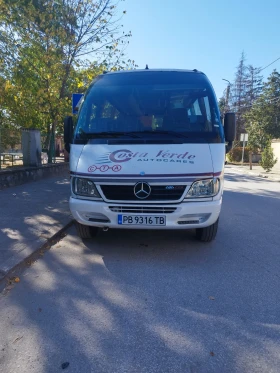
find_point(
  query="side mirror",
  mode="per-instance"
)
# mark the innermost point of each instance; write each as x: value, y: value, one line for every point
x: 68, y: 132
x: 230, y: 129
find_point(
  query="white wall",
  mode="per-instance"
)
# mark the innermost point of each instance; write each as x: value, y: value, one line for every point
x: 276, y: 149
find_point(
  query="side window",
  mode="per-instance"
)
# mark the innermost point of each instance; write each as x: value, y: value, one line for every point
x: 196, y: 108
x: 200, y: 115
x: 207, y: 108
x: 194, y: 113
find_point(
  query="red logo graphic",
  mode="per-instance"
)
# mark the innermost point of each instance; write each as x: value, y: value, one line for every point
x: 105, y: 168
x: 122, y: 155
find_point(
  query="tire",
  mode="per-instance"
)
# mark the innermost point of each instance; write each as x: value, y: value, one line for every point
x: 85, y: 231
x: 207, y: 234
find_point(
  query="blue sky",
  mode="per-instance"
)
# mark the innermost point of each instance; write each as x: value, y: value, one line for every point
x: 208, y: 35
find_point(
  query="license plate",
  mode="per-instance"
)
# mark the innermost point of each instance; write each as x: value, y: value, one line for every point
x: 141, y: 220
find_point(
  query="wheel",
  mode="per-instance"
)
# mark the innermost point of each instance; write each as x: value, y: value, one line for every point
x: 207, y: 234
x: 85, y: 231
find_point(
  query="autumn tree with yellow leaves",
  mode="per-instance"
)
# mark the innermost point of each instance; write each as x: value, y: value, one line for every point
x: 47, y: 49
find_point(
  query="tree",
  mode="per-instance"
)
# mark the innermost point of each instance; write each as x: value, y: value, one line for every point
x: 239, y: 98
x: 253, y: 84
x: 44, y: 46
x: 268, y: 161
x: 264, y: 116
x: 257, y: 138
x: 10, y: 136
x: 222, y: 104
x: 9, y: 133
x: 245, y: 90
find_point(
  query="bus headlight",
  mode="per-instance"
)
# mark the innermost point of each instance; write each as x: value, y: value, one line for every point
x: 204, y: 188
x: 85, y: 187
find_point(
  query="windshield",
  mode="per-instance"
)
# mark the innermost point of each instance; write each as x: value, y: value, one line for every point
x: 150, y: 104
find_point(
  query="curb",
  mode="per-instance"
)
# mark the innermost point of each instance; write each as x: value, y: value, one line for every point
x: 263, y: 176
x: 5, y: 276
x: 256, y: 174
x: 269, y: 178
x: 14, y: 177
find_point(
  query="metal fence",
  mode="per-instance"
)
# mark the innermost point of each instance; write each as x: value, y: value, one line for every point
x: 8, y: 160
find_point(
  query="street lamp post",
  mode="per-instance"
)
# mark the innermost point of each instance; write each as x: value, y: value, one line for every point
x: 227, y: 95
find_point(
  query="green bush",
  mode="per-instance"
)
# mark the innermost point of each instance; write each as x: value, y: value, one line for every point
x: 235, y: 155
x: 268, y: 161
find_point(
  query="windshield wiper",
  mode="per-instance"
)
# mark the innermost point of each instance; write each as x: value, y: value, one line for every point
x: 105, y: 134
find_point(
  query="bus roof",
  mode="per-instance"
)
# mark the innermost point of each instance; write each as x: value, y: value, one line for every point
x: 152, y: 70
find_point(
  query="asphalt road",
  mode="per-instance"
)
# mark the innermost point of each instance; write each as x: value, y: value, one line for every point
x: 133, y: 301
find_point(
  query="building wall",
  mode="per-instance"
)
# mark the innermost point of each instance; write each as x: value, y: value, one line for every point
x: 276, y: 149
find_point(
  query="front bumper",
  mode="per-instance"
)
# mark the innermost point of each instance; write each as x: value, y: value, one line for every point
x: 186, y: 215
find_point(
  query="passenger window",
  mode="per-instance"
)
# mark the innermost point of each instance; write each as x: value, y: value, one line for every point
x: 207, y: 109
x: 196, y: 117
x: 196, y: 108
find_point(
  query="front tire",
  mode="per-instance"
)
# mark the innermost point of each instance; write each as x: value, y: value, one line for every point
x: 207, y: 234
x: 86, y: 231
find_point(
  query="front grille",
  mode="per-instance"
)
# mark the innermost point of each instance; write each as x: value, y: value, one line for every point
x: 158, y: 193
x: 143, y: 210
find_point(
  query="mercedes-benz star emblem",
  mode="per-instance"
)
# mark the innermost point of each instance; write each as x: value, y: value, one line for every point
x: 142, y: 190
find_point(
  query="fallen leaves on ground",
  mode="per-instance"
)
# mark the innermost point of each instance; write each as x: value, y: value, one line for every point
x: 14, y: 279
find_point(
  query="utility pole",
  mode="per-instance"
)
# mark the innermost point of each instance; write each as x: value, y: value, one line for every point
x: 227, y: 95
x: 250, y: 158
x: 243, y: 148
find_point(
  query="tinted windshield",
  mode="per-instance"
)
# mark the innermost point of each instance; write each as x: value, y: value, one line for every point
x: 151, y: 103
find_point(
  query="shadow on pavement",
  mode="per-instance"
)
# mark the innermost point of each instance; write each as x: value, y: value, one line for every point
x: 132, y: 301
x: 31, y: 213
